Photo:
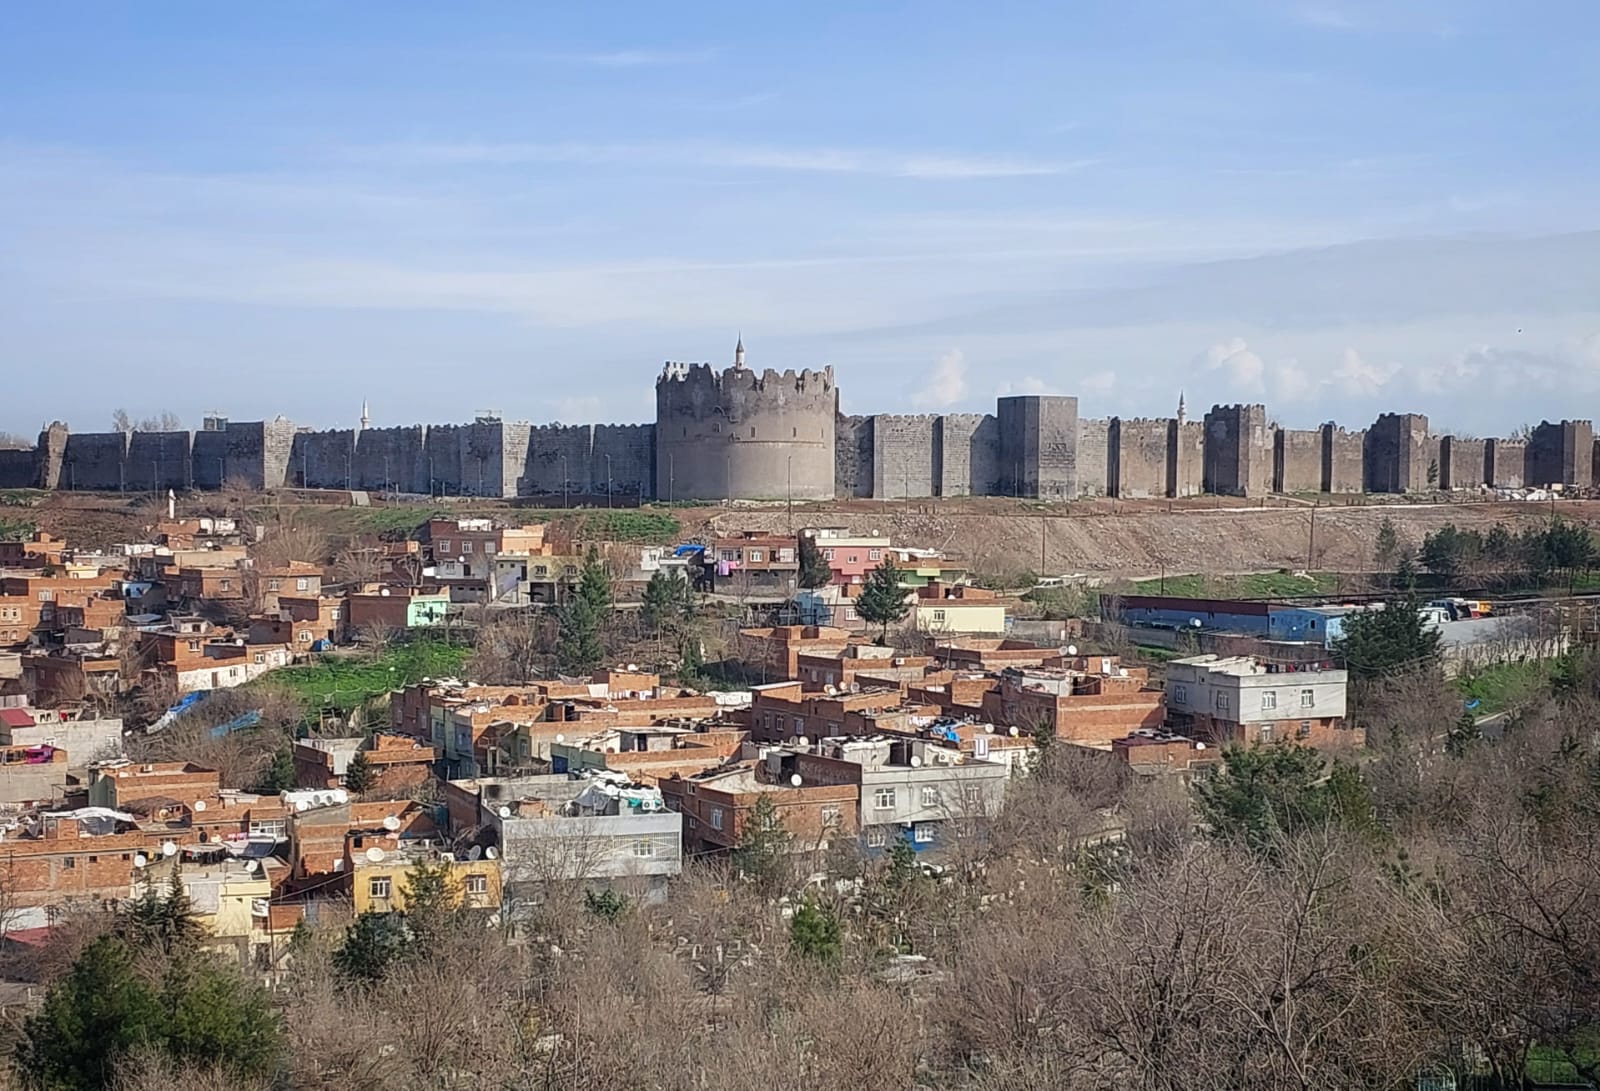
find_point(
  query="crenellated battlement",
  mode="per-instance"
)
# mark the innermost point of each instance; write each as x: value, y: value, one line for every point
x: 741, y: 378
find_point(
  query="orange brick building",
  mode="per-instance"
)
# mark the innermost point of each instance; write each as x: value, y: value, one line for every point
x: 716, y: 806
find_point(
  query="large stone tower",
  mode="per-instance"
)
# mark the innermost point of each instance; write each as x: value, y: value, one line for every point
x: 739, y: 435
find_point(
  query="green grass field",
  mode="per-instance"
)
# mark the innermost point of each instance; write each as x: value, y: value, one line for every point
x: 344, y: 682
x: 1256, y: 585
x: 1502, y: 686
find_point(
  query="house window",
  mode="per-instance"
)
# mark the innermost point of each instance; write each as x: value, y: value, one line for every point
x: 233, y: 672
x: 799, y: 725
x: 1307, y: 698
x: 716, y: 818
x: 830, y: 816
x: 94, y: 859
x: 938, y: 615
x: 194, y: 645
x: 261, y: 657
x: 442, y: 545
x: 305, y: 636
x: 1304, y: 730
x: 883, y: 799
x: 973, y: 794
x: 1180, y: 694
x: 1266, y: 732
x: 273, y: 585
x: 477, y: 884
x: 922, y: 833
x: 728, y: 555
x: 827, y: 554
x: 877, y: 837
x: 756, y: 556
x: 225, y: 585
x: 277, y: 827
x: 930, y: 797
x: 378, y: 887
x: 874, y: 554
x: 70, y: 862
x: 302, y: 584
x: 1222, y: 701
x: 644, y: 848
x: 466, y: 546
x: 853, y: 558
x: 1269, y: 698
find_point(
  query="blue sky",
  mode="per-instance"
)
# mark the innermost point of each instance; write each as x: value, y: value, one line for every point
x: 1334, y: 207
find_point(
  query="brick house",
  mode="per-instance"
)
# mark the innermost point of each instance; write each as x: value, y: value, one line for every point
x: 775, y: 652
x: 396, y: 761
x: 1246, y: 701
x: 783, y: 711
x: 716, y: 805
x: 1095, y: 701
x: 756, y: 562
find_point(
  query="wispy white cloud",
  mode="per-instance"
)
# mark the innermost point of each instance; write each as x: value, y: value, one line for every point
x: 1243, y: 369
x: 717, y: 155
x: 1027, y: 384
x: 633, y: 58
x: 946, y: 384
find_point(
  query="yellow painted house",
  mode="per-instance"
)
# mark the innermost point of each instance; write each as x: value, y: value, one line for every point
x: 380, y: 885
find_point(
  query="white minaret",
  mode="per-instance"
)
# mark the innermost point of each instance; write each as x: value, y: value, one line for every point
x: 738, y: 353
x: 1181, y: 414
x: 172, y: 505
x: 366, y: 418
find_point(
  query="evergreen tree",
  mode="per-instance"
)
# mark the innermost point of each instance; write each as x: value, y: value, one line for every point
x: 814, y: 934
x: 594, y: 585
x: 279, y: 776
x: 606, y: 904
x: 433, y: 904
x: 1263, y: 792
x: 164, y: 922
x: 762, y: 854
x: 214, y: 1014
x: 1386, y: 546
x: 1463, y: 734
x: 1377, y: 643
x: 814, y: 570
x: 882, y: 600
x: 93, y: 1017
x: 579, y: 649
x: 359, y: 776
x: 372, y: 945
x: 664, y: 598
x: 202, y: 1011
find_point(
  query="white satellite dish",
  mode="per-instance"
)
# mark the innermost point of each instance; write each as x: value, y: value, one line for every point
x: 915, y: 761
x: 375, y: 855
x: 1014, y: 732
x: 252, y: 866
x: 301, y: 805
x: 199, y: 805
x: 1072, y: 649
x: 474, y: 853
x: 561, y: 738
x: 795, y: 780
x: 988, y: 729
x: 490, y: 853
x: 1199, y: 746
x: 802, y: 741
x: 390, y: 822
x: 505, y: 812
x: 169, y: 848
x: 140, y: 859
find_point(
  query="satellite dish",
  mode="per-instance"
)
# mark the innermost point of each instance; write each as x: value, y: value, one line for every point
x: 795, y: 780
x: 505, y: 812
x: 301, y: 805
x: 252, y: 865
x: 561, y: 738
x: 1013, y: 732
x: 375, y: 855
x: 1072, y: 649
x: 988, y: 729
x: 1199, y: 746
x: 802, y: 741
x: 140, y: 859
x: 474, y: 853
x: 390, y: 822
x: 490, y: 853
x: 915, y: 761
x: 169, y: 848
x: 199, y: 805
